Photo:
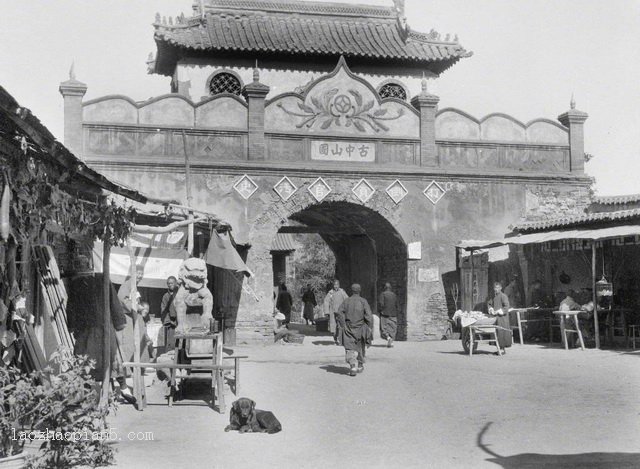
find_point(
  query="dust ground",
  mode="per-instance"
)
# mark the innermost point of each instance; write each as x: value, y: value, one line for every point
x: 416, y: 405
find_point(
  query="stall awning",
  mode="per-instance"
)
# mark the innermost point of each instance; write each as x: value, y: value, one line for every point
x: 158, y: 263
x: 544, y: 237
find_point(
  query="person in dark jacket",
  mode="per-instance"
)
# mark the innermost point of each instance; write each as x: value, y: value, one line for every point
x: 168, y: 314
x: 356, y: 326
x: 309, y: 301
x: 284, y: 302
x: 389, y: 309
x: 499, y: 307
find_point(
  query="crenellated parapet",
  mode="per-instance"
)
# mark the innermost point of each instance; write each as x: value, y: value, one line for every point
x: 337, y: 121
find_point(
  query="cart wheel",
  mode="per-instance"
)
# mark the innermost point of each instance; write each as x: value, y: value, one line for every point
x: 465, y: 337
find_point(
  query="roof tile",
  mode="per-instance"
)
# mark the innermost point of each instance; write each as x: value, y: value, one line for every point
x: 577, y: 220
x: 307, y: 29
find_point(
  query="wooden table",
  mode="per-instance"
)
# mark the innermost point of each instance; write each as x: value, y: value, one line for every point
x: 564, y: 315
x: 216, y: 367
x: 543, y: 316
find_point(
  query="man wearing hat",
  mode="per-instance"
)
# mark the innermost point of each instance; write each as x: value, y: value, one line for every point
x: 356, y: 326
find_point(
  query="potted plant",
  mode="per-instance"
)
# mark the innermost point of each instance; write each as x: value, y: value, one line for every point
x: 61, y: 409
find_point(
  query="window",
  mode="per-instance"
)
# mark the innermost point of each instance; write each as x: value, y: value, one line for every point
x: 225, y: 82
x: 392, y: 90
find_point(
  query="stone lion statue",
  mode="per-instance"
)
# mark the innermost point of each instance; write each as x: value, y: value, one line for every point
x: 193, y: 301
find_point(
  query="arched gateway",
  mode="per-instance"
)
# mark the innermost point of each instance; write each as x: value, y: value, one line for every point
x: 367, y: 247
x: 314, y: 145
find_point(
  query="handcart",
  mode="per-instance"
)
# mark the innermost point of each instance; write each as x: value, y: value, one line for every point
x: 473, y: 334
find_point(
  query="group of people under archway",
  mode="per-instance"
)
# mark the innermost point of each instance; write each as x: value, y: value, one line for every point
x: 350, y: 318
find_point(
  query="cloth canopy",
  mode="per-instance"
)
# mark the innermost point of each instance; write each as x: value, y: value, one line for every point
x: 158, y: 263
x: 221, y: 253
x: 544, y: 237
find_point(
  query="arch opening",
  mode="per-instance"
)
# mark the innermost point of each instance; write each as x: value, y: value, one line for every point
x: 368, y: 249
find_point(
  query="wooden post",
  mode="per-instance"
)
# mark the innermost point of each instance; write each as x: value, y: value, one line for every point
x: 106, y: 324
x: 596, y: 326
x: 473, y: 283
x: 187, y: 182
x: 138, y: 383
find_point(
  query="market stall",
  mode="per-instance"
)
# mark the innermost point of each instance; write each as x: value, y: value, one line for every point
x: 593, y: 245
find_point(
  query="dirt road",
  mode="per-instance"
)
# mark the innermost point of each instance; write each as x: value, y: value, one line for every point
x: 415, y: 405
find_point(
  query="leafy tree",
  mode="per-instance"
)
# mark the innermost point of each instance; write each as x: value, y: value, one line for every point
x: 314, y: 264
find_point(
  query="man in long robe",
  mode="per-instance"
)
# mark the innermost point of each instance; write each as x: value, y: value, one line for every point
x: 499, y: 306
x: 332, y: 303
x: 356, y: 325
x: 389, y: 309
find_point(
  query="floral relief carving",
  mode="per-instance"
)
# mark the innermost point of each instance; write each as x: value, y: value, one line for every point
x: 333, y: 108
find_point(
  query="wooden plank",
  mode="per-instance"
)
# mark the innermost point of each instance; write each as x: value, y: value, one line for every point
x: 178, y: 366
x: 49, y: 316
x: 54, y: 293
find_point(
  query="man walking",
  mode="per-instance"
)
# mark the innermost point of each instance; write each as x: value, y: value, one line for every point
x: 389, y: 309
x: 356, y: 321
x: 332, y: 303
x: 168, y: 314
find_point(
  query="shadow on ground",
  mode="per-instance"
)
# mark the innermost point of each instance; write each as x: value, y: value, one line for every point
x: 338, y: 370
x: 323, y: 342
x: 308, y: 330
x: 559, y: 461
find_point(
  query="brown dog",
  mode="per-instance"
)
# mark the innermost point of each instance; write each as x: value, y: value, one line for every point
x: 245, y: 418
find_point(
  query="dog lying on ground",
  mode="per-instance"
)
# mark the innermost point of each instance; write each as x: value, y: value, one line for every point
x: 246, y: 419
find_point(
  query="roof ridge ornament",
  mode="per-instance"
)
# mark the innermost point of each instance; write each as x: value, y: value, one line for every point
x: 398, y: 6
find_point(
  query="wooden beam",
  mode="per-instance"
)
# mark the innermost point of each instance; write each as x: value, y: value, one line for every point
x: 166, y: 229
x: 596, y: 325
x: 187, y: 183
x: 106, y: 325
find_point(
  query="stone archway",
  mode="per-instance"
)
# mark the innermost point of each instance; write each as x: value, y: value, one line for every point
x: 368, y: 248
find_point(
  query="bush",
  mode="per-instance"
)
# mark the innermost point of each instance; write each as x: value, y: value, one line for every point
x: 62, y: 403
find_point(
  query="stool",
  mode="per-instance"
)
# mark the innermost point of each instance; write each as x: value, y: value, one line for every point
x: 634, y: 332
x: 563, y: 326
x: 476, y: 334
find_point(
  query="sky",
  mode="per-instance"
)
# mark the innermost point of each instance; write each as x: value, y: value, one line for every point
x: 530, y: 56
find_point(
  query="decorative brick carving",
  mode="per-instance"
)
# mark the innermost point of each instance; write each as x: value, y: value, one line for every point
x: 245, y: 187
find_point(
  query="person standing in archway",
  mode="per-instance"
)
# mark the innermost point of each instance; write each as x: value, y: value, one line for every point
x: 309, y: 301
x: 356, y: 326
x: 284, y: 304
x: 389, y: 310
x: 332, y: 303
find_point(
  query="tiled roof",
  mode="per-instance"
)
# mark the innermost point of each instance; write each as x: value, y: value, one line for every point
x: 616, y: 199
x: 283, y: 242
x: 303, y: 28
x: 587, y: 218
